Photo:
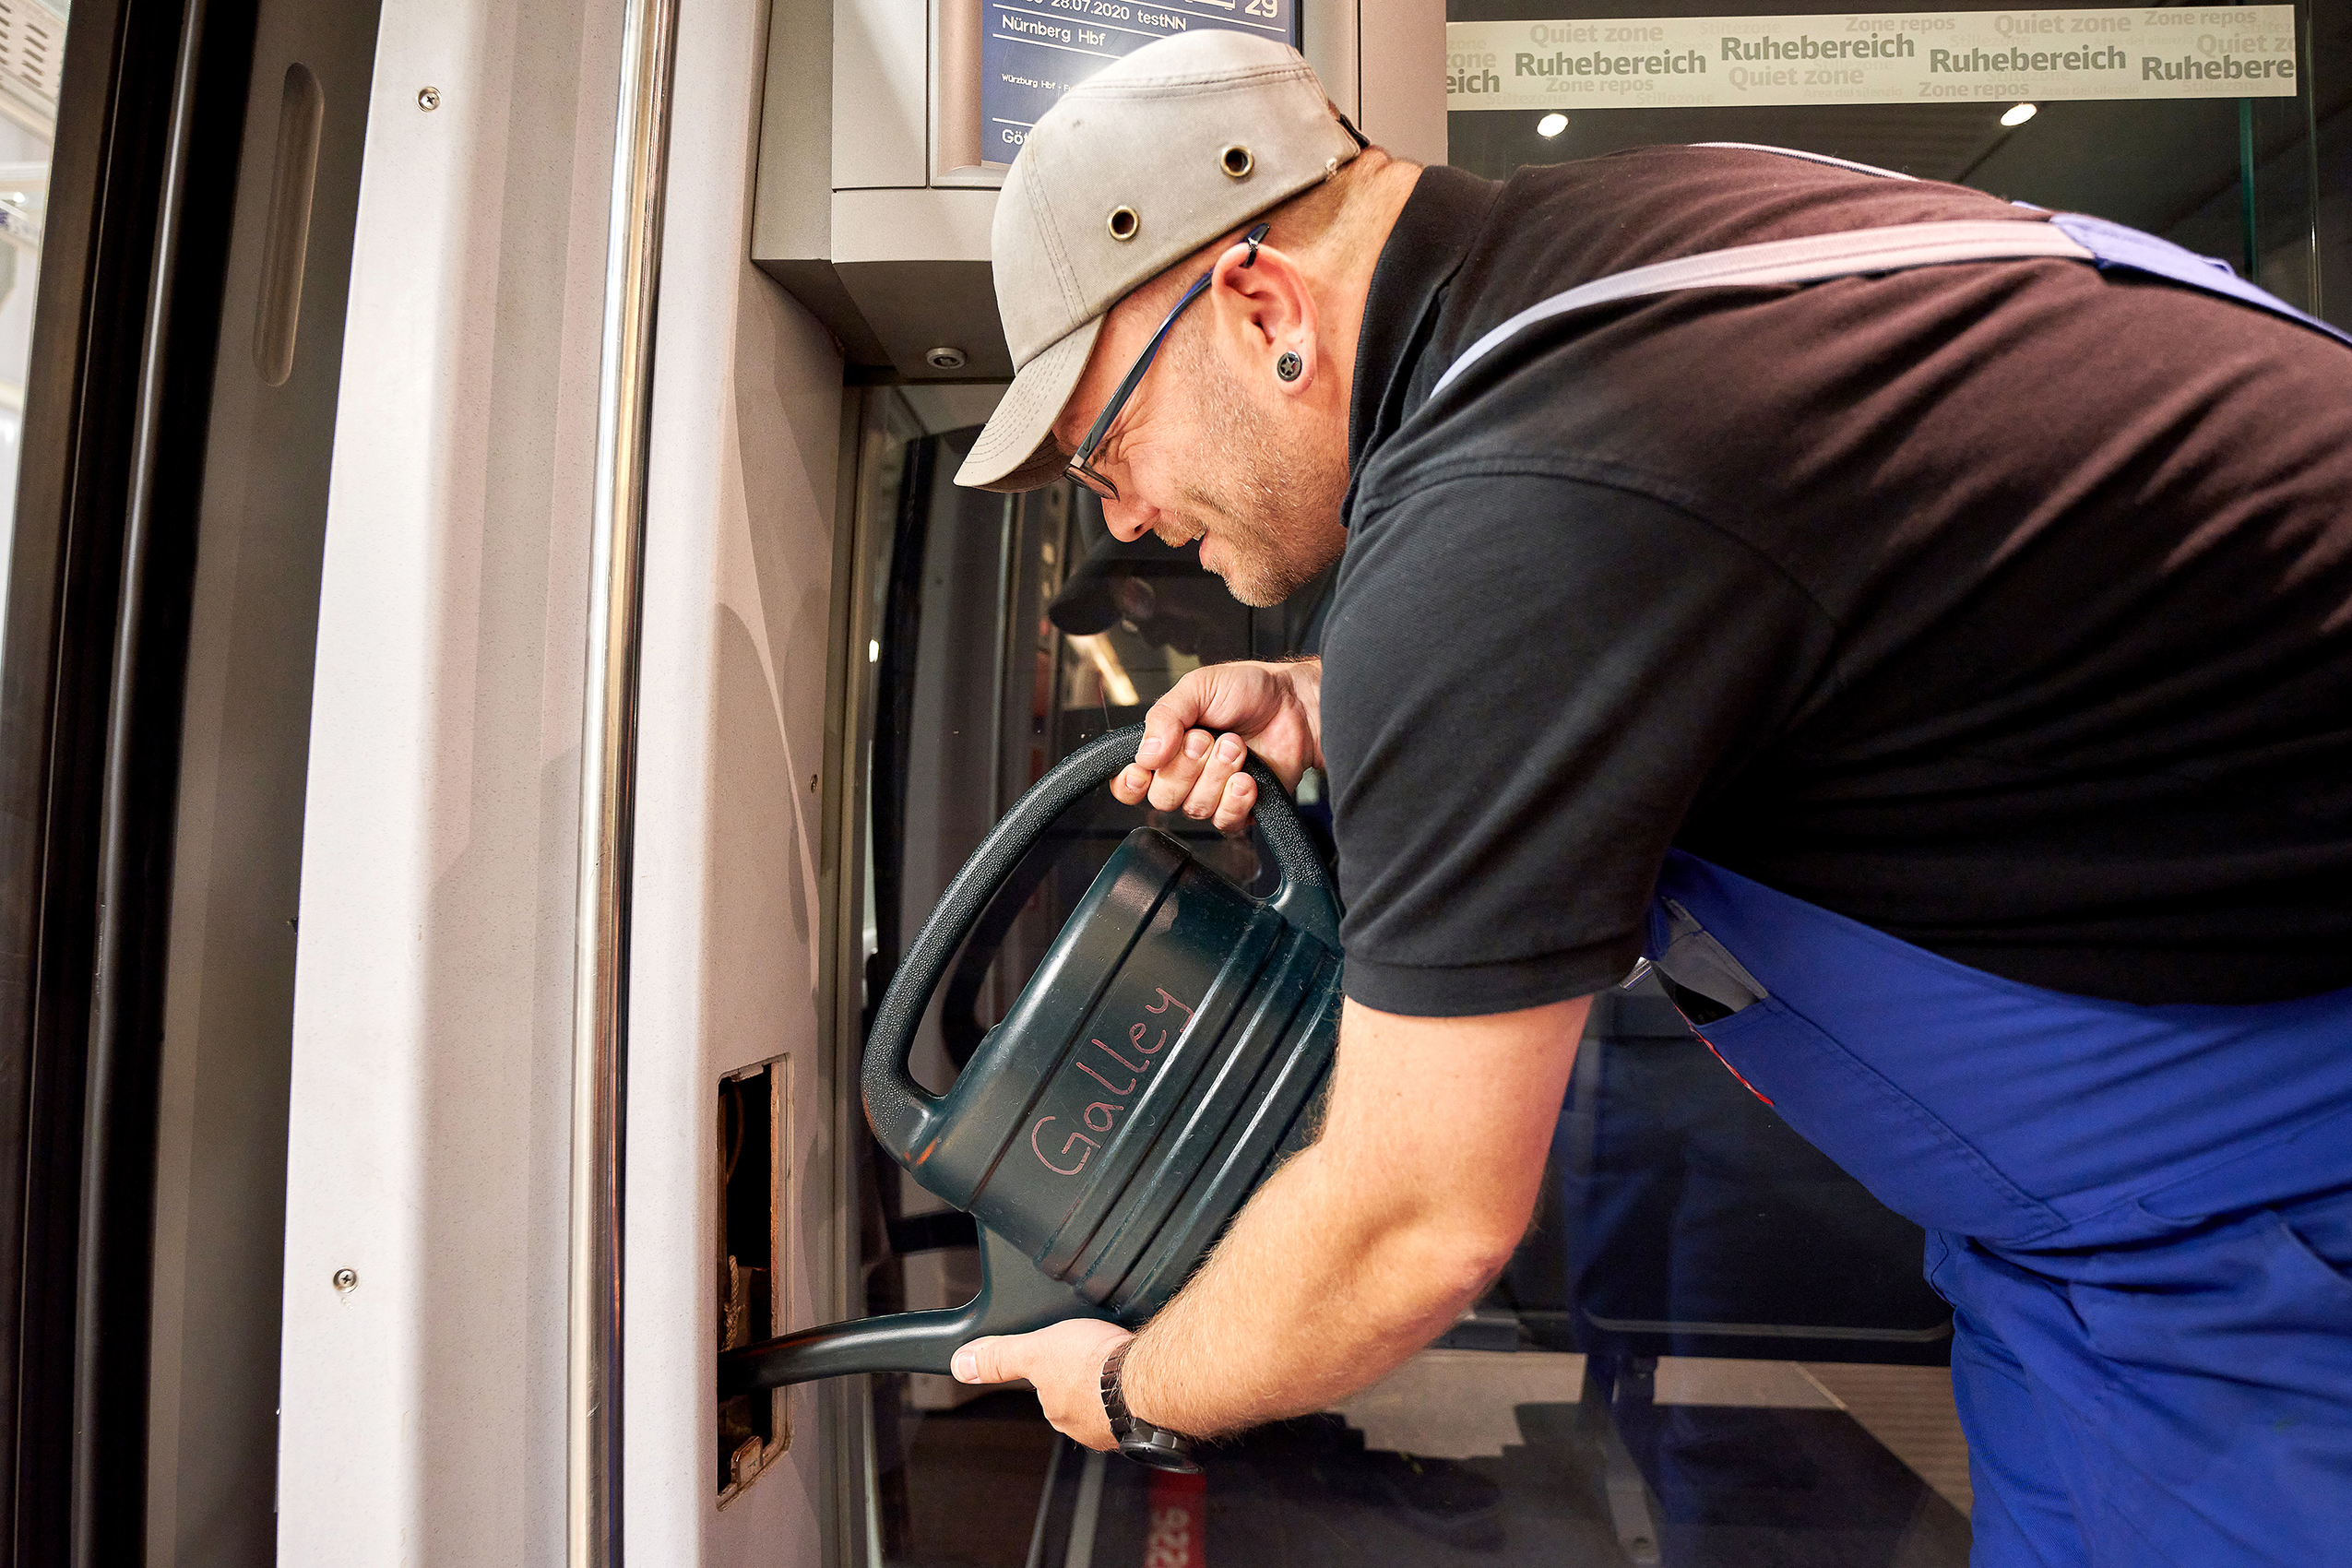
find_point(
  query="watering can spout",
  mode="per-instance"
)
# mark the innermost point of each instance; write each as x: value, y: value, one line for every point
x: 1014, y: 1298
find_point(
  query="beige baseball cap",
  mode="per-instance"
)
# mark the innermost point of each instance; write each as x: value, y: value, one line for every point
x: 1135, y: 168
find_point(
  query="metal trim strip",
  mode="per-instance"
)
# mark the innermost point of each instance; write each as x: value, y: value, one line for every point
x: 608, y: 770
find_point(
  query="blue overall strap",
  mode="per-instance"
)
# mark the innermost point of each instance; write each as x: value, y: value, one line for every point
x: 1814, y: 258
x: 2114, y: 246
x: 2111, y: 244
x: 1870, y: 169
x: 1810, y: 258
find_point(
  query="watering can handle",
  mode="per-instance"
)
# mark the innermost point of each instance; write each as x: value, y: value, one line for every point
x: 899, y: 1108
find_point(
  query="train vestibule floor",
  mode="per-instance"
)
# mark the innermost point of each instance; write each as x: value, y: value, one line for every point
x: 1543, y: 1458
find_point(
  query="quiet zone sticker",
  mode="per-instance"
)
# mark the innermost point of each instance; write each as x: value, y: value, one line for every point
x: 1901, y: 57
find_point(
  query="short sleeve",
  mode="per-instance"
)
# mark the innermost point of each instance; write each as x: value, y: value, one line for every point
x: 1528, y: 682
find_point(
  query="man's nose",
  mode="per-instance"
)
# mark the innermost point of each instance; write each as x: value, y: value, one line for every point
x: 1128, y: 520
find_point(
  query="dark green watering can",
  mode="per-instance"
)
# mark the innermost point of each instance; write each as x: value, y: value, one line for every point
x: 1171, y: 1046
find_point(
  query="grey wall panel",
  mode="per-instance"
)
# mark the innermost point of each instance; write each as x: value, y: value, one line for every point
x: 734, y: 880
x: 793, y: 204
x: 428, y: 1148
x: 880, y: 72
x: 220, y: 1187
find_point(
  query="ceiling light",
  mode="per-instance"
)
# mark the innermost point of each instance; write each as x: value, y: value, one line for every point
x: 1552, y: 125
x: 2019, y: 113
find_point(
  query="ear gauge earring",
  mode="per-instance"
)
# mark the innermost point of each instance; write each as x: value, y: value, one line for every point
x: 1287, y: 365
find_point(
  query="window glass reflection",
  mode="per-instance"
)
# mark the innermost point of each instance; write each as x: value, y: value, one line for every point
x: 32, y: 50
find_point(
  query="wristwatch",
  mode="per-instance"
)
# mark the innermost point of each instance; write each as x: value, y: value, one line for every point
x: 1138, y: 1439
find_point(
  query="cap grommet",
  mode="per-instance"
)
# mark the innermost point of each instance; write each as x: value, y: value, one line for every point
x: 1124, y: 224
x: 1236, y: 161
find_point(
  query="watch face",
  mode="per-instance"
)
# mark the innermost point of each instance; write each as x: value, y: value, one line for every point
x: 1144, y: 1452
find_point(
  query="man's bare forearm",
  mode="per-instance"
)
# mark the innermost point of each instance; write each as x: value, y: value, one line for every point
x: 1291, y: 1314
x: 1367, y: 1244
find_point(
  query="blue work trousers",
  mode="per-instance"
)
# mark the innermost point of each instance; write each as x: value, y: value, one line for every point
x: 2142, y: 1217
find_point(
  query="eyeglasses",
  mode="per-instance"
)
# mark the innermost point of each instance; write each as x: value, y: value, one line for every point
x: 1081, y: 465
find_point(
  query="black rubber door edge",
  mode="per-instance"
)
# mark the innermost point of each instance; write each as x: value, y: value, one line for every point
x: 103, y: 558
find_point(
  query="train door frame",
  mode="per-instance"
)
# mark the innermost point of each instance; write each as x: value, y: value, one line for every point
x: 149, y: 113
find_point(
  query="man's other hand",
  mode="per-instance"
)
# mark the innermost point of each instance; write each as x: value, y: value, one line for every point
x: 1065, y: 1363
x: 1197, y: 737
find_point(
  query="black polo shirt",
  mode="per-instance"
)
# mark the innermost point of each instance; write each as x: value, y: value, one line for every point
x: 2005, y: 607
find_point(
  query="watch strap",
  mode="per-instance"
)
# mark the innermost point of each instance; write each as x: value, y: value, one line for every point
x: 1139, y: 1440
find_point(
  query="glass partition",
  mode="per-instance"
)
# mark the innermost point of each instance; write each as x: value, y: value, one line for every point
x: 2258, y: 180
x: 32, y: 50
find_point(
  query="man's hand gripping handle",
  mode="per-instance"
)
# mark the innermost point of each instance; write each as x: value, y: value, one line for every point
x: 1199, y: 735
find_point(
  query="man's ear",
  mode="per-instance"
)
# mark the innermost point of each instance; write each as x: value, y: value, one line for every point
x: 1265, y: 317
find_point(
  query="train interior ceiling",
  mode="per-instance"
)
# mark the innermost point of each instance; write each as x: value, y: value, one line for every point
x: 334, y: 494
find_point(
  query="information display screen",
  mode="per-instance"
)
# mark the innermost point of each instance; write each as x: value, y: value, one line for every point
x: 1034, y: 51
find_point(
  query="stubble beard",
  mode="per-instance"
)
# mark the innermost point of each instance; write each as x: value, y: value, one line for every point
x: 1265, y: 505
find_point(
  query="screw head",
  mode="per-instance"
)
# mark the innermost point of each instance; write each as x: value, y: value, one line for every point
x: 347, y: 1280
x: 428, y: 98
x: 945, y: 358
